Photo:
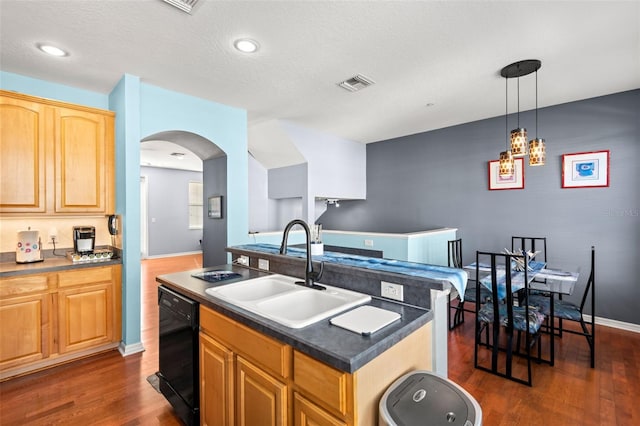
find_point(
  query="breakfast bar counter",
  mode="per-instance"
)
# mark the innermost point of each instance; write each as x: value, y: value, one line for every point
x: 342, y: 349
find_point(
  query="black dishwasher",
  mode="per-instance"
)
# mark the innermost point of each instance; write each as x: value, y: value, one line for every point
x: 178, y: 354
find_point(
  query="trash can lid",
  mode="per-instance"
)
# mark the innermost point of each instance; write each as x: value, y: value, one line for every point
x: 422, y: 398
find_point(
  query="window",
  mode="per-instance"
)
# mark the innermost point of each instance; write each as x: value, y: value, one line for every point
x: 195, y: 205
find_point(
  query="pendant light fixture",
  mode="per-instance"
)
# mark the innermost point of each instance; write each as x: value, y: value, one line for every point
x: 507, y: 165
x: 518, y: 136
x: 537, y: 151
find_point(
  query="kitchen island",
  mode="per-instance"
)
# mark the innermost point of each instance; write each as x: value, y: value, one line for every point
x: 253, y: 368
x: 420, y: 284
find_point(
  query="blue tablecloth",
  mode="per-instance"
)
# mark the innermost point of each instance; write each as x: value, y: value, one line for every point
x: 456, y: 277
x: 517, y: 277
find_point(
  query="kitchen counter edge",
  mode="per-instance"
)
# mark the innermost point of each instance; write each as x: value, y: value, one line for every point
x: 339, y: 348
x: 13, y: 269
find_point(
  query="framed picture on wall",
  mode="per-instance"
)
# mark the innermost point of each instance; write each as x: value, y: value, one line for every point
x: 215, y: 207
x: 585, y: 169
x: 515, y: 181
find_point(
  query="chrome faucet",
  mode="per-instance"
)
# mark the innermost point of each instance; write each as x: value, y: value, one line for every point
x: 310, y: 275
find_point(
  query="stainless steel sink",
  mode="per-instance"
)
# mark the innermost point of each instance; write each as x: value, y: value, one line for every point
x: 278, y: 298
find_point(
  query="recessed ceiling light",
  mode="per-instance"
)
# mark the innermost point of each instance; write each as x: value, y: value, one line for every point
x: 52, y: 50
x: 246, y: 45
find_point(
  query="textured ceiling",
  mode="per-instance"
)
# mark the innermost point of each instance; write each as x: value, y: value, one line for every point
x: 448, y: 54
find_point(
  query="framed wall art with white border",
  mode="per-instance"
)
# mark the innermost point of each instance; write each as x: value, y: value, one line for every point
x: 514, y: 181
x: 585, y: 169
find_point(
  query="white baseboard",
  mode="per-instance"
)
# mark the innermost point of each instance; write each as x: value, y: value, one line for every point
x: 160, y: 256
x: 126, y: 350
x: 615, y: 324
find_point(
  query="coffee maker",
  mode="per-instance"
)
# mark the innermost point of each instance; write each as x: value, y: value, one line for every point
x: 84, y: 238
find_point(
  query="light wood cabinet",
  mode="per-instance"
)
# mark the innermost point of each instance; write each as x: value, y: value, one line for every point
x: 25, y: 330
x: 23, y: 141
x: 242, y: 374
x: 306, y: 413
x: 261, y: 400
x: 25, y: 322
x: 273, y: 384
x: 85, y: 317
x: 84, y: 164
x: 54, y: 317
x: 329, y: 387
x: 216, y: 383
x: 57, y: 158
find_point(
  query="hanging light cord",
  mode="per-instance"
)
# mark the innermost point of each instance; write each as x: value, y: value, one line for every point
x: 518, y: 102
x: 506, y: 112
x: 536, y: 104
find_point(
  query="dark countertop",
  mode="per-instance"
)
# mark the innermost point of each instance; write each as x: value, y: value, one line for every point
x: 340, y: 348
x: 51, y: 263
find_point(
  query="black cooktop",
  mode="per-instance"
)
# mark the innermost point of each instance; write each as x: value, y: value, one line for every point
x: 216, y: 276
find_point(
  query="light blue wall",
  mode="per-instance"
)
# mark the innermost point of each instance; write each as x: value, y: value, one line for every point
x: 391, y: 247
x: 142, y: 110
x: 125, y: 101
x: 59, y: 92
x: 163, y: 110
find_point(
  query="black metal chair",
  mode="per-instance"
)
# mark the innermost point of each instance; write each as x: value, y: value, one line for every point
x: 454, y: 260
x: 565, y: 310
x: 501, y: 314
x: 532, y: 244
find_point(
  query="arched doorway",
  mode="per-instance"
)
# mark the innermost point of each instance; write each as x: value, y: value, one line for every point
x: 213, y: 239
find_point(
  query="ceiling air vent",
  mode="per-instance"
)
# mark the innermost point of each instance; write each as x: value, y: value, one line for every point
x: 184, y: 5
x: 356, y: 83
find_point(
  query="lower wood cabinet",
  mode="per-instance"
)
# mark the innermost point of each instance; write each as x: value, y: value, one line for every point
x: 249, y: 379
x: 236, y: 386
x: 25, y: 330
x: 216, y: 383
x: 54, y: 317
x: 306, y: 413
x: 85, y: 317
x: 261, y: 400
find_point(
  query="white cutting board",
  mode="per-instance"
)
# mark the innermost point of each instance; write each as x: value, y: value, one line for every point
x: 365, y: 320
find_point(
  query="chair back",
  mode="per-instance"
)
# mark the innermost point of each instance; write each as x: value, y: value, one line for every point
x: 532, y: 244
x: 591, y: 286
x: 454, y: 258
x: 501, y: 276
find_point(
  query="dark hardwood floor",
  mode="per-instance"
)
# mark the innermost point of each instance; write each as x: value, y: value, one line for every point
x: 108, y: 389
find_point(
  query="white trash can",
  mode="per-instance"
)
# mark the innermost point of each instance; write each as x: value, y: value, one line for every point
x: 424, y: 398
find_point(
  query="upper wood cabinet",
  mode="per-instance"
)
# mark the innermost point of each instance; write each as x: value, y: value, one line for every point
x: 23, y: 139
x: 57, y: 158
x: 83, y: 161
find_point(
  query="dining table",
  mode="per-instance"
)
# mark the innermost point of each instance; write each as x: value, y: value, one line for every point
x: 541, y: 278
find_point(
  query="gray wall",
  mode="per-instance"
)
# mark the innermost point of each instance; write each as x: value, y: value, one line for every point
x: 168, y: 192
x: 439, y: 178
x: 215, y: 230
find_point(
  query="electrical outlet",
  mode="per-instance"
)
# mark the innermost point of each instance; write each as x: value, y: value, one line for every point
x: 392, y: 291
x: 263, y: 264
x: 243, y: 260
x: 53, y: 235
x: 368, y: 243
